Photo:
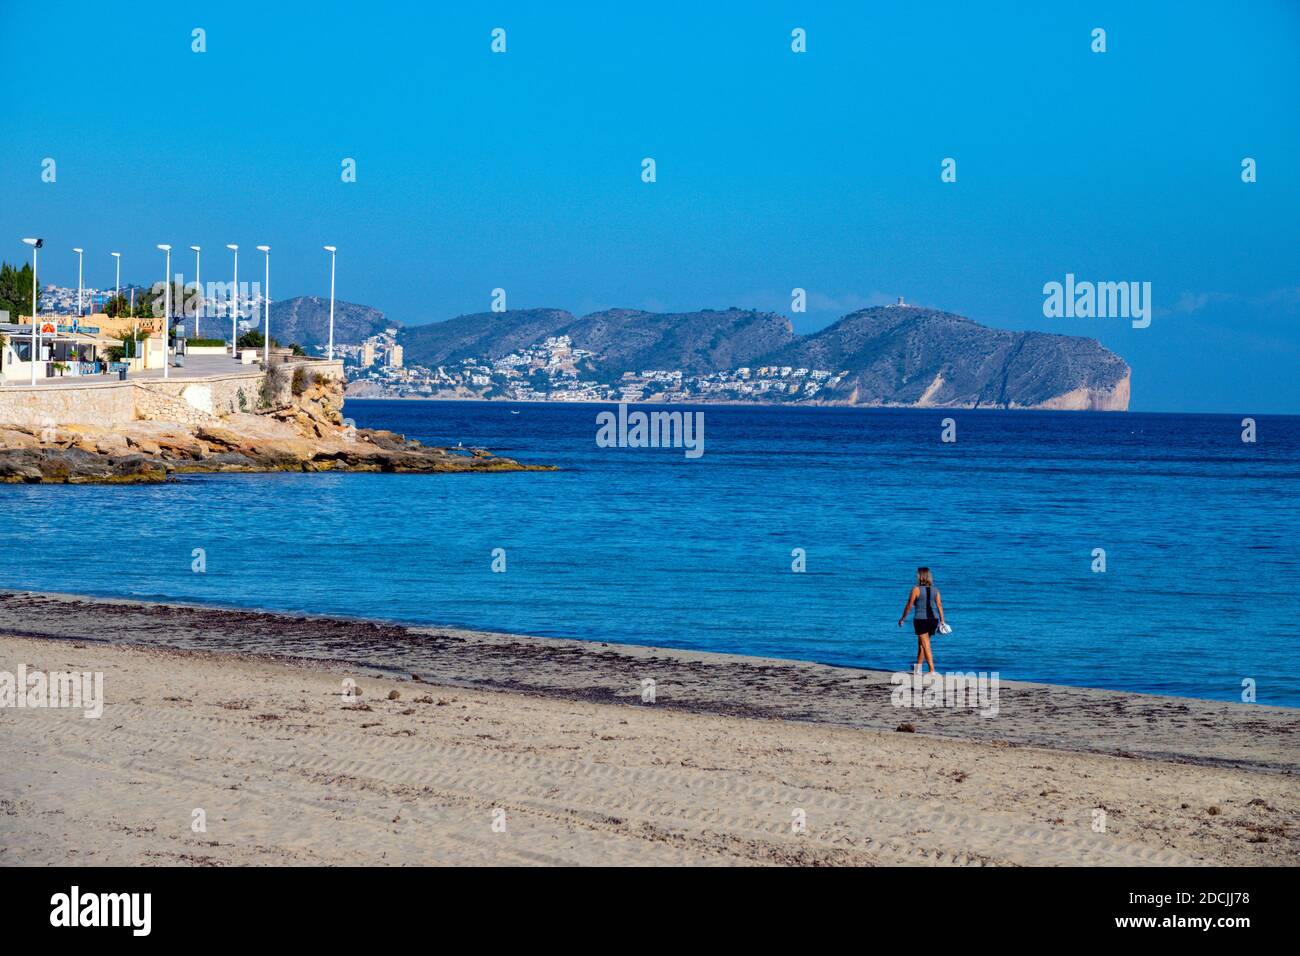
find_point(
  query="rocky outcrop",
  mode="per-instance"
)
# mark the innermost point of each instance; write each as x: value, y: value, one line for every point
x: 146, y: 452
x: 909, y: 356
x: 75, y: 465
x: 1102, y: 398
x: 301, y: 429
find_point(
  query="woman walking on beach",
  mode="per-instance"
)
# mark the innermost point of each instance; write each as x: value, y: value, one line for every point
x: 929, y: 616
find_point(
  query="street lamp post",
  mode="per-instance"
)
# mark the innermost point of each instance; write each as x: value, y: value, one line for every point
x: 331, y: 250
x: 117, y: 283
x: 266, y: 309
x: 198, y: 281
x: 35, y: 244
x: 167, y: 300
x: 79, y: 259
x: 234, y: 305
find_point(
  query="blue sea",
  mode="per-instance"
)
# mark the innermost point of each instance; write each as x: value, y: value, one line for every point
x: 1200, y: 531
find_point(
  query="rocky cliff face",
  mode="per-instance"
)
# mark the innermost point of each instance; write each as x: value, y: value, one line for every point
x: 904, y: 355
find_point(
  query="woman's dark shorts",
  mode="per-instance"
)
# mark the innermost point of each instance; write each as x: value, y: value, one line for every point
x: 925, y: 625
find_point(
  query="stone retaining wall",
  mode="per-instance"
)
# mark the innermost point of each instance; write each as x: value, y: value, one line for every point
x: 96, y: 403
x: 199, y: 400
x: 190, y: 401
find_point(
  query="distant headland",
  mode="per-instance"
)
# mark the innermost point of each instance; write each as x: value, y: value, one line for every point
x: 897, y: 355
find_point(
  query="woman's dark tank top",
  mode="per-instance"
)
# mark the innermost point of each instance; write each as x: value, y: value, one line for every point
x: 926, y: 607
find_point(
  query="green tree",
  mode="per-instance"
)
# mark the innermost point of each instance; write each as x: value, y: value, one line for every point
x: 132, y: 344
x: 120, y: 304
x: 117, y: 305
x: 16, y: 290
x: 252, y: 339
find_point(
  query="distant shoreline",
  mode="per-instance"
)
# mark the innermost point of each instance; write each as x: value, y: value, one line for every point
x: 585, y: 401
x: 904, y: 408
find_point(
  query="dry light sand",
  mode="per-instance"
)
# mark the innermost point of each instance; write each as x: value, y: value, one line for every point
x: 287, y: 772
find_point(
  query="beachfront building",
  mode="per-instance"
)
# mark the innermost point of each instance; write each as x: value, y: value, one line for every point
x: 100, y: 324
x: 60, y: 351
x: 69, y: 346
x: 118, y: 327
x: 15, y: 354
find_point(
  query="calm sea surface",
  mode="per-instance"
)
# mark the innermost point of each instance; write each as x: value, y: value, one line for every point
x: 1201, y: 536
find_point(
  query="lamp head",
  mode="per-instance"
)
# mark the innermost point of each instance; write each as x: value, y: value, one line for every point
x: 331, y: 248
x: 164, y: 247
x: 35, y: 243
x: 195, y: 248
x: 78, y: 250
x: 116, y: 255
x: 232, y: 246
x: 263, y: 248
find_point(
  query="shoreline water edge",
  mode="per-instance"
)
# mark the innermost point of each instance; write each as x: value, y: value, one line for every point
x: 1251, y: 736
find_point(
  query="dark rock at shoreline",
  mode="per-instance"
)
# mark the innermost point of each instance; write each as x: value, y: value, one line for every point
x: 72, y: 465
x: 44, y: 465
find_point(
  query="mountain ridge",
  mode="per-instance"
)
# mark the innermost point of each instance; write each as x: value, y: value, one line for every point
x: 914, y: 356
x: 304, y: 319
x: 895, y: 355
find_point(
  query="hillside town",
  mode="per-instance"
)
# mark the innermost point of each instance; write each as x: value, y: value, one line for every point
x: 77, y: 337
x: 557, y: 371
x: 65, y: 301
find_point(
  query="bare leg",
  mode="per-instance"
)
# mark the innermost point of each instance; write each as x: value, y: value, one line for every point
x: 920, y: 656
x: 925, y: 648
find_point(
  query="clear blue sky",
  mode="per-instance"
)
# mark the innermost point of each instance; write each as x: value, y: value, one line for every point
x: 775, y: 170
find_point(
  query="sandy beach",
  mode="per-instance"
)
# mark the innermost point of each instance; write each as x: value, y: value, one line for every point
x: 510, y: 750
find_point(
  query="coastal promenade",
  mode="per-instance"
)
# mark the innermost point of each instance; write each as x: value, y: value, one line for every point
x: 287, y: 417
x: 195, y: 367
x: 208, y: 386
